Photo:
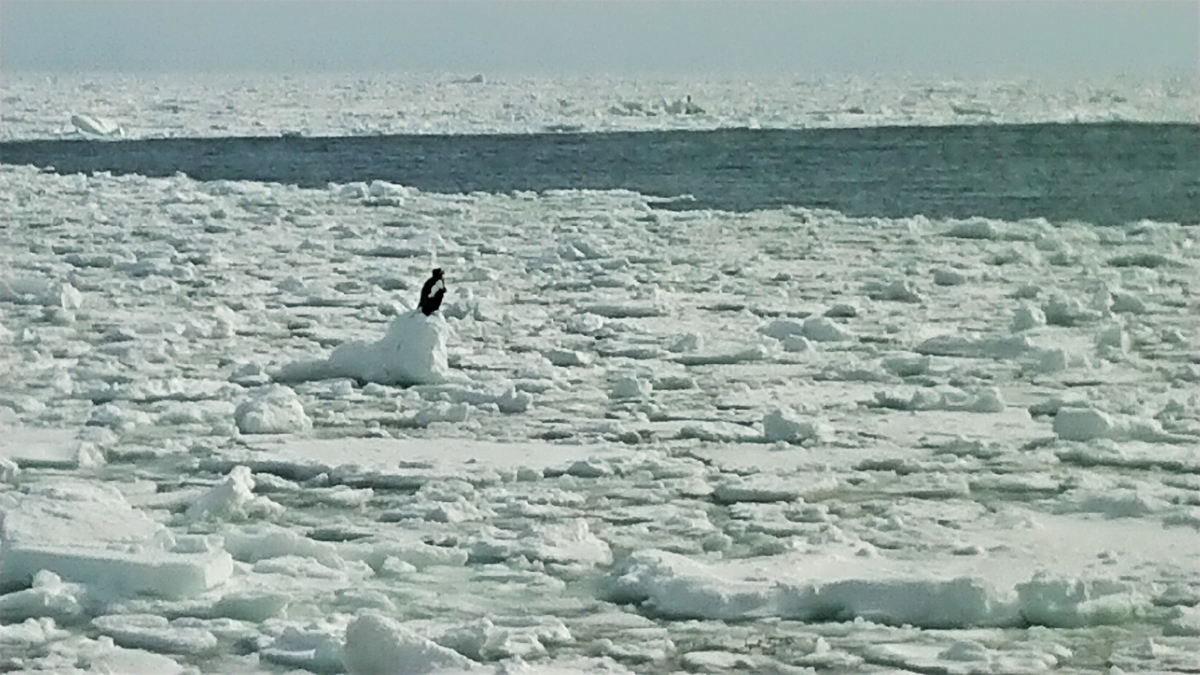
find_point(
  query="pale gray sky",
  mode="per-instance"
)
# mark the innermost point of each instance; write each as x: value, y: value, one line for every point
x: 972, y: 38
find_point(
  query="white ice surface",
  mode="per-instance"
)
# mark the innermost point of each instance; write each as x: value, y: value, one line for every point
x: 663, y: 442
x: 100, y: 105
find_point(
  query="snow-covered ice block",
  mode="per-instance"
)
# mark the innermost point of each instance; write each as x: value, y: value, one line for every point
x: 49, y: 597
x: 89, y: 534
x: 155, y: 634
x: 80, y: 655
x: 1026, y: 317
x: 233, y: 498
x: 975, y: 228
x: 627, y: 310
x: 898, y: 290
x: 567, y: 357
x: 782, y: 328
x: 1000, y: 348
x: 40, y: 291
x: 363, y: 462
x: 412, y: 352
x: 263, y: 541
x: 92, y: 125
x: 748, y: 355
x: 821, y: 329
x: 675, y: 586
x: 564, y: 543
x: 1069, y: 602
x: 377, y: 645
x: 274, y: 411
x: 945, y: 276
x: 1082, y: 424
x: 630, y: 387
x: 29, y: 634
x: 926, y: 602
x: 785, y: 425
x: 525, y: 638
x: 57, y: 448
x: 943, y: 398
x: 316, y: 647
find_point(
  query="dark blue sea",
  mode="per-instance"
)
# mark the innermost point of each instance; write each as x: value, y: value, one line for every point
x: 1099, y: 173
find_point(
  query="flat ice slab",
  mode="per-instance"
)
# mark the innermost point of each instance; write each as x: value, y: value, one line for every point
x: 388, y: 459
x: 1058, y: 571
x: 88, y: 533
x: 58, y: 448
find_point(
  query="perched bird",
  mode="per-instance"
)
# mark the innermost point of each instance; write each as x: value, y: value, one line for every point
x: 432, y: 292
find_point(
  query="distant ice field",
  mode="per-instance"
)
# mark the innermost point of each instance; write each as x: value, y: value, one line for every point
x: 1112, y: 173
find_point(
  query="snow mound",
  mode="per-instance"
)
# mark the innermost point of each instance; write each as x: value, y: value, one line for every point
x: 412, y: 352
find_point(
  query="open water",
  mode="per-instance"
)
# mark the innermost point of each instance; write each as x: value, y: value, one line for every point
x: 1098, y: 173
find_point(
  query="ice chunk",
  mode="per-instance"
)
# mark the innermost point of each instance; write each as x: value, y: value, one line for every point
x: 630, y: 387
x: 56, y: 448
x: 264, y: 541
x: 156, y: 634
x: 377, y: 645
x: 96, y: 126
x: 564, y: 543
x: 975, y: 228
x: 1000, y: 348
x: 316, y: 647
x: 233, y: 498
x: 1067, y: 602
x: 899, y: 290
x: 1027, y: 316
x: 49, y: 597
x: 782, y: 328
x: 784, y: 425
x: 567, y: 357
x: 821, y: 329
x: 1082, y: 424
x: 30, y: 633
x: 944, y: 276
x: 274, y: 411
x: 89, y: 534
x: 672, y: 585
x: 40, y: 291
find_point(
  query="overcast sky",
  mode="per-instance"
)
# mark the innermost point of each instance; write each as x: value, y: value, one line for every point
x: 972, y: 38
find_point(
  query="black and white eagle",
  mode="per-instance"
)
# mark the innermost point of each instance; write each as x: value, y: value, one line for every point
x: 432, y: 292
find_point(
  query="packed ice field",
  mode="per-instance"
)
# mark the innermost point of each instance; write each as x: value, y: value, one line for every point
x: 634, y: 439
